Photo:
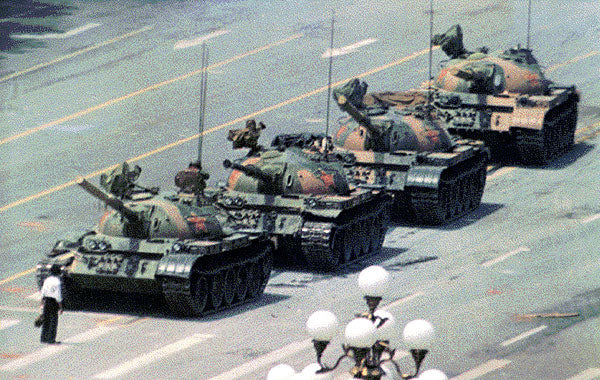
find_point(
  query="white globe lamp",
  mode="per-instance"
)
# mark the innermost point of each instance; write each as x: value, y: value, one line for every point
x: 385, y: 330
x: 360, y: 333
x: 322, y: 325
x: 418, y: 334
x: 433, y: 374
x: 281, y: 372
x: 373, y: 281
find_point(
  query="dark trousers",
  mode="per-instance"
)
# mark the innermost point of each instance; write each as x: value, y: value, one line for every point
x: 50, y: 320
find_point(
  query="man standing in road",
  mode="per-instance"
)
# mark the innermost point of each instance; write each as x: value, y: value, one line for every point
x: 52, y: 305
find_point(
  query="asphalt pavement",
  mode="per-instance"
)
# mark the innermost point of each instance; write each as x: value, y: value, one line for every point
x: 87, y: 85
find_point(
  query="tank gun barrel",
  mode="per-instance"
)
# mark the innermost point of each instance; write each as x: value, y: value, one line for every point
x: 109, y: 200
x: 360, y: 117
x: 249, y: 170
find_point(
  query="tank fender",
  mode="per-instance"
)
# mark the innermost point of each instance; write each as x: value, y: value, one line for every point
x: 325, y: 213
x: 176, y: 265
x: 424, y: 176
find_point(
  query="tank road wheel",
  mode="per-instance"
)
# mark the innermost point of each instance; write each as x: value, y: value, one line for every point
x: 253, y: 280
x: 199, y: 293
x: 217, y: 289
x: 241, y: 284
x: 230, y: 286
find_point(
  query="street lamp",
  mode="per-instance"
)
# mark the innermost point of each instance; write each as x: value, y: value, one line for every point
x: 367, y: 339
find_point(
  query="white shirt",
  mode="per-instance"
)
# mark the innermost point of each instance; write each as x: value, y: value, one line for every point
x: 51, y: 288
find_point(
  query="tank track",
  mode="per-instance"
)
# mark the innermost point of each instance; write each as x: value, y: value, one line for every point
x: 212, y: 288
x: 459, y: 192
x: 326, y: 245
x: 557, y: 136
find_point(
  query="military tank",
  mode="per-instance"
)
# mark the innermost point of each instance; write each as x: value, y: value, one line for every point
x: 502, y: 98
x: 181, y: 245
x: 304, y: 202
x: 406, y: 152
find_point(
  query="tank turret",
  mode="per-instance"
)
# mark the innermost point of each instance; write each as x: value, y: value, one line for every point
x: 514, y: 70
x: 287, y: 172
x: 382, y: 129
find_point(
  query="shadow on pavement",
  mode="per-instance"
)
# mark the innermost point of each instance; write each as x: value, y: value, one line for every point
x: 155, y: 306
x: 480, y: 212
x: 28, y: 17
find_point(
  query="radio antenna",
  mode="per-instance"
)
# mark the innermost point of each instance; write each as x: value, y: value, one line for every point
x: 430, y: 54
x: 528, y: 23
x: 203, y: 86
x: 329, y: 77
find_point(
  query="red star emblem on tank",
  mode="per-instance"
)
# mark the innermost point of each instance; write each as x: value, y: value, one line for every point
x: 326, y: 178
x: 433, y: 136
x: 198, y: 223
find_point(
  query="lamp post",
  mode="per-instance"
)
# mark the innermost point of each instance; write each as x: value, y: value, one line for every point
x: 367, y: 339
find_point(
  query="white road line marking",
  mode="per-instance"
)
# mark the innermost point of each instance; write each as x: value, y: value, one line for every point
x: 153, y: 356
x: 523, y: 336
x: 37, y: 296
x: 182, y: 44
x: 67, y: 34
x: 48, y: 351
x: 403, y: 300
x: 6, y: 323
x: 481, y: 370
x: 37, y: 310
x: 590, y: 218
x: 498, y: 259
x: 588, y: 374
x: 314, y: 120
x: 348, y: 49
x: 263, y: 361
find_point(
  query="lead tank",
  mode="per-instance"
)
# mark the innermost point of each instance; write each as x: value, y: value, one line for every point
x: 407, y: 153
x: 181, y: 245
x: 305, y: 203
x: 502, y: 98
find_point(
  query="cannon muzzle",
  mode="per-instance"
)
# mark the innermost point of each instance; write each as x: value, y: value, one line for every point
x: 110, y: 200
x: 249, y: 170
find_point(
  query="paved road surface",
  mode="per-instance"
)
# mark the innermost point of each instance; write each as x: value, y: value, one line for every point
x: 92, y: 84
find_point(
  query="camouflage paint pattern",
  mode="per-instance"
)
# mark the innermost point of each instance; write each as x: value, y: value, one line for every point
x: 510, y: 72
x: 290, y: 172
x: 390, y: 130
x: 514, y: 70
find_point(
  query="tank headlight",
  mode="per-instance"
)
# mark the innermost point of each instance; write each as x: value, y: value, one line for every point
x: 103, y: 246
x: 497, y: 79
x: 92, y: 245
x: 177, y: 247
x: 311, y: 202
